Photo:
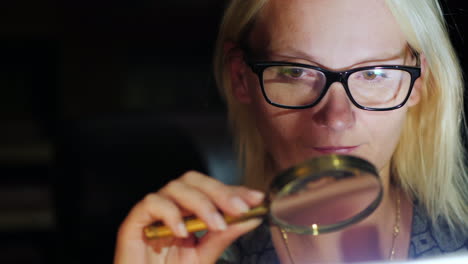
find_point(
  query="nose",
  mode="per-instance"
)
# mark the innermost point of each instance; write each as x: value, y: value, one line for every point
x: 335, y: 111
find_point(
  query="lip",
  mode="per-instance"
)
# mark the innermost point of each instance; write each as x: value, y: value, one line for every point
x: 335, y: 149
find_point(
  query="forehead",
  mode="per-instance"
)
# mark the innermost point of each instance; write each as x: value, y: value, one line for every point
x: 333, y: 33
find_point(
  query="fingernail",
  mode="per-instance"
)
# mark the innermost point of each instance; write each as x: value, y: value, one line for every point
x: 240, y: 205
x: 219, y: 222
x: 181, y: 230
x: 257, y: 195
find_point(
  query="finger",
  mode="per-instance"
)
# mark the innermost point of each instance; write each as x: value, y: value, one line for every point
x: 195, y: 201
x: 152, y: 208
x: 130, y: 241
x: 158, y: 245
x: 231, y: 200
x: 250, y: 196
x: 213, y: 244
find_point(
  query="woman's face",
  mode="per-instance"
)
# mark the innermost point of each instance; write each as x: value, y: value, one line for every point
x: 335, y: 35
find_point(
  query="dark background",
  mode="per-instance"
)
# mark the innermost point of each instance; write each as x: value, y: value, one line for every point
x: 100, y: 103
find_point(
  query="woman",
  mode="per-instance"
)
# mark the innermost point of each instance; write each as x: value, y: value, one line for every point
x: 409, y: 129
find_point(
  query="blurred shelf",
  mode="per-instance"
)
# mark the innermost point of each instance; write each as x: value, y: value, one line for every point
x: 26, y: 208
x: 26, y: 153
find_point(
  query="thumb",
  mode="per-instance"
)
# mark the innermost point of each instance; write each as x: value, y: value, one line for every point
x: 213, y: 244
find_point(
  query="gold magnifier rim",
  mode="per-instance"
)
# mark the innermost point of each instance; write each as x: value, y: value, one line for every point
x: 287, y: 180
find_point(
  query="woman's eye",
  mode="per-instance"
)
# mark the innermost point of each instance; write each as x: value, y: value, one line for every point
x: 293, y: 72
x: 369, y: 75
x: 296, y: 73
x: 372, y: 75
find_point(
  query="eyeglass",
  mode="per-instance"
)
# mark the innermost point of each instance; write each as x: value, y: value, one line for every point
x: 298, y: 86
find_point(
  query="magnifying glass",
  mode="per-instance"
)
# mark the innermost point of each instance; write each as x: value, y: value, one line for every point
x: 321, y: 195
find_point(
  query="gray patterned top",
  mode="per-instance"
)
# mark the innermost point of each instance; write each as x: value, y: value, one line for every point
x: 256, y: 247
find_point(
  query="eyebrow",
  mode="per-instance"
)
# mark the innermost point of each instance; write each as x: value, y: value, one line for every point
x: 298, y: 54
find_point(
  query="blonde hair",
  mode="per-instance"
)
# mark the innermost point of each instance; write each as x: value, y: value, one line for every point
x: 429, y: 160
x: 238, y: 19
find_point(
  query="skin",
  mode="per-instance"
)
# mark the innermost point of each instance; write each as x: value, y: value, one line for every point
x: 333, y: 34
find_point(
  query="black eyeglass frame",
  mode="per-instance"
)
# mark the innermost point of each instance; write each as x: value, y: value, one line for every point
x: 258, y: 67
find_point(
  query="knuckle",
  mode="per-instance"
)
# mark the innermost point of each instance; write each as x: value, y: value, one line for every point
x: 191, y: 176
x: 225, y: 195
x: 149, y: 199
x: 217, y: 185
x: 171, y: 213
x: 203, y: 204
x: 241, y: 191
x: 159, y: 207
x: 171, y: 186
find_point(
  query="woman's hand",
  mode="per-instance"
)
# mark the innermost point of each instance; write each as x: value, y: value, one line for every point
x: 192, y: 194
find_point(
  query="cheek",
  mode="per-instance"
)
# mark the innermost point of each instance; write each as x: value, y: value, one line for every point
x: 281, y: 132
x: 278, y: 127
x: 384, y: 130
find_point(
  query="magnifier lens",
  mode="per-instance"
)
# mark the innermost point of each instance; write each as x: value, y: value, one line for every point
x: 326, y: 201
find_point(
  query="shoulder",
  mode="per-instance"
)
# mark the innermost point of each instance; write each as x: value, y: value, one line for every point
x: 427, y: 241
x: 253, y: 247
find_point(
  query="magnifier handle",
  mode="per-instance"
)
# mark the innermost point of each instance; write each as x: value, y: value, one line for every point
x: 158, y: 230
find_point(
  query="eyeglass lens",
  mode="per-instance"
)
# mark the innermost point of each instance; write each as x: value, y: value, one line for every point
x: 298, y: 86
